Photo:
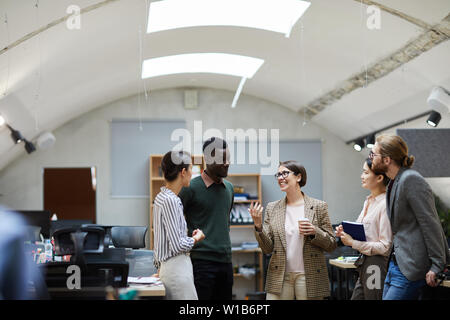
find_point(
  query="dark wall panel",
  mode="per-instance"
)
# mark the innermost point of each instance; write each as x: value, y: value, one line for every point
x: 431, y: 149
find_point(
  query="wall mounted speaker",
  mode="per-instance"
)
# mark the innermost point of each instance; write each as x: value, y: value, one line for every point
x: 190, y: 99
x: 46, y: 140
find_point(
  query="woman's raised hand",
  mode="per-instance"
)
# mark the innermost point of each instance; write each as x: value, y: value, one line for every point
x: 256, y: 211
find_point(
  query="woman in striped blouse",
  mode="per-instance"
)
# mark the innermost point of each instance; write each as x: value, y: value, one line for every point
x: 172, y: 243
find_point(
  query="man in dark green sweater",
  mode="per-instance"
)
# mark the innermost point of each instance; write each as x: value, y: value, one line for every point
x: 207, y: 205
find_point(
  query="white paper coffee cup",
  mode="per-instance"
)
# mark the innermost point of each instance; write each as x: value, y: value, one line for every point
x: 303, y: 219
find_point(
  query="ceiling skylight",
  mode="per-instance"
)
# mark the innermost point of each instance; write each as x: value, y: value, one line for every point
x: 273, y: 15
x: 221, y: 63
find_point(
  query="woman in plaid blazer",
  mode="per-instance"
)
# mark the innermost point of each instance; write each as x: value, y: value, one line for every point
x: 296, y: 231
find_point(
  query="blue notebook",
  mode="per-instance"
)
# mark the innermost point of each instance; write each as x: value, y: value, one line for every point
x: 355, y: 229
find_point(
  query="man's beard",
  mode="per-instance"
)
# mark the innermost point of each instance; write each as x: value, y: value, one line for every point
x: 222, y: 173
x: 379, y: 168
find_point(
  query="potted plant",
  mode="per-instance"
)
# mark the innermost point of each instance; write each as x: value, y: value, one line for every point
x: 444, y: 217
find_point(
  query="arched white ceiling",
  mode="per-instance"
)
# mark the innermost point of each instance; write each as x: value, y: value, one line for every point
x: 59, y: 74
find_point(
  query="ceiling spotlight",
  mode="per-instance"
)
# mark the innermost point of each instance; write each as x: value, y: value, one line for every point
x: 439, y: 100
x: 29, y: 146
x: 15, y: 135
x: 2, y: 120
x: 359, y: 145
x: 434, y: 118
x: 370, y: 141
x: 18, y: 138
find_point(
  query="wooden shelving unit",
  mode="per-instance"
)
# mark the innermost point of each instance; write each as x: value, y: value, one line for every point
x: 258, y: 259
x: 251, y: 183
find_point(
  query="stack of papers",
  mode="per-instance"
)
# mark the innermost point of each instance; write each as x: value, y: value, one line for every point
x: 144, y: 280
x: 346, y: 259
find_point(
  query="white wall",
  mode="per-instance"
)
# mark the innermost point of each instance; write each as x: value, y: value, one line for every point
x: 85, y: 142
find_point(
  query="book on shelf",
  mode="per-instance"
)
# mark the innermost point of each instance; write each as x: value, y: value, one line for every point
x: 249, y: 245
x: 244, y: 197
x: 240, y: 214
x: 241, y: 196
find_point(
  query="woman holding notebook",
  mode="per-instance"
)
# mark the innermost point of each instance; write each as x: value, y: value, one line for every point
x: 372, y: 263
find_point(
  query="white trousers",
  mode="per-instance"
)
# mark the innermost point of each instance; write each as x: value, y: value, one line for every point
x: 294, y: 287
x: 178, y: 278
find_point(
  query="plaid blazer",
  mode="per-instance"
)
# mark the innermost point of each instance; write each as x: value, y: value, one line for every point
x: 272, y: 239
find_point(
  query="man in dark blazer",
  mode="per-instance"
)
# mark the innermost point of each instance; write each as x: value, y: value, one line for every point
x: 420, y: 249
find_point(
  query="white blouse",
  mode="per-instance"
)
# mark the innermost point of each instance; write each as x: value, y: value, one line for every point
x: 376, y: 226
x: 294, y: 241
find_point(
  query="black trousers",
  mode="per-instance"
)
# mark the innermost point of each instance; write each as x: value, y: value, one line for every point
x: 213, y: 280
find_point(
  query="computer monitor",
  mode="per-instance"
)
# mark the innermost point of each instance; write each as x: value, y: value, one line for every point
x: 39, y: 218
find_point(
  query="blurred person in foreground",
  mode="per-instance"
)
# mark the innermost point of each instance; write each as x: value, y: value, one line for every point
x: 17, y: 270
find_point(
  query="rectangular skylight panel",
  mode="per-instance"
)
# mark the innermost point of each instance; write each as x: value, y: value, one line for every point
x: 220, y: 63
x: 272, y: 15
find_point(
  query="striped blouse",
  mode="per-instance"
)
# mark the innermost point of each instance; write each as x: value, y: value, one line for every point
x: 170, y: 227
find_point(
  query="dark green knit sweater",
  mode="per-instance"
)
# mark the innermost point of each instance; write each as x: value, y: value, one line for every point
x: 208, y: 209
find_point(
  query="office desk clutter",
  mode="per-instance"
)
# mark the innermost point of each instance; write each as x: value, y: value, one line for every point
x: 102, y: 258
x: 144, y: 280
x: 350, y: 259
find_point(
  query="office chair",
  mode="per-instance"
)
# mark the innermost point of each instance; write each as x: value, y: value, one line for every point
x: 100, y: 266
x: 133, y: 238
x: 33, y: 233
x: 108, y: 239
x: 62, y: 224
x: 128, y: 237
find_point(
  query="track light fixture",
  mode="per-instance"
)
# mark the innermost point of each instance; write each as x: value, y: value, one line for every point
x: 18, y: 138
x: 15, y: 135
x: 370, y: 141
x: 359, y: 145
x: 434, y: 118
x: 29, y: 147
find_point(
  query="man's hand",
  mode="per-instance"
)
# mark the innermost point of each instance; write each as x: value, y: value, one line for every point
x: 431, y: 279
x: 339, y: 230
